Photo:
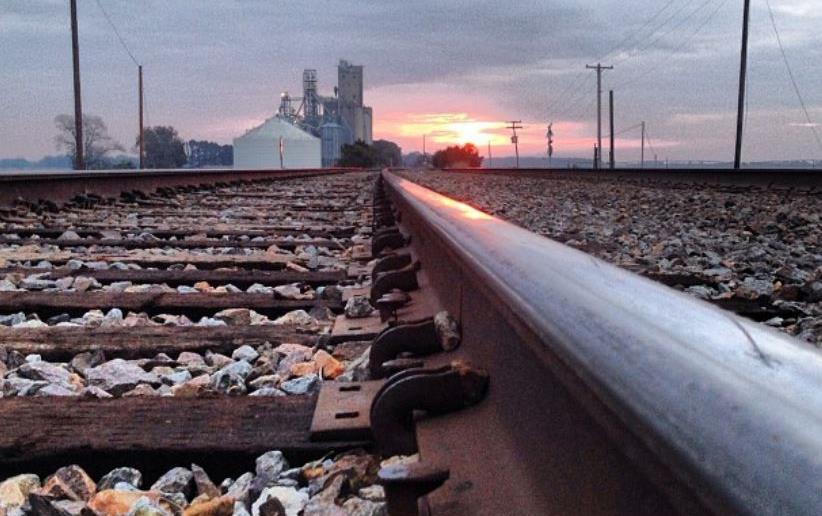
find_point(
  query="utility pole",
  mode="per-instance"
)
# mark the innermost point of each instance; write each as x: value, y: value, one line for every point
x: 79, y: 161
x: 611, y: 111
x: 515, y: 139
x: 598, y: 67
x: 140, y: 95
x: 643, y: 145
x: 550, y: 136
x: 743, y: 65
x: 424, y: 158
x: 490, y: 159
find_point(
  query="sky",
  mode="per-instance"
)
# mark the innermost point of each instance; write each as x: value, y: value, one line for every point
x: 453, y: 70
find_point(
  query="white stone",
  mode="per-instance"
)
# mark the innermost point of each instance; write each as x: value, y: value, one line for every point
x: 293, y: 501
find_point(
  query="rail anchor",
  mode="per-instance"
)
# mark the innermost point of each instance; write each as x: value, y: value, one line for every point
x: 439, y: 333
x: 435, y: 391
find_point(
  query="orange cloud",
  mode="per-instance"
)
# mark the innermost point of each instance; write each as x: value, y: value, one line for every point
x: 405, y: 113
x: 446, y: 128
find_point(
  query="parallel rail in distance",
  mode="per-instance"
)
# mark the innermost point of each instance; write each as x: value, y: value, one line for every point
x: 60, y: 186
x: 788, y: 178
x: 591, y: 364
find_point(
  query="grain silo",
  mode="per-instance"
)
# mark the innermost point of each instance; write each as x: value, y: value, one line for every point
x: 276, y: 144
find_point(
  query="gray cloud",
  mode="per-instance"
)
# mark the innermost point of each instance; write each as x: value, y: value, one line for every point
x: 212, y: 66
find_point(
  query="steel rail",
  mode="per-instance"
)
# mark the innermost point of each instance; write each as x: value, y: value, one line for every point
x: 60, y: 186
x: 719, y: 413
x: 787, y: 178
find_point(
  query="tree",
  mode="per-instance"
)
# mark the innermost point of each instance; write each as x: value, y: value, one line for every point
x: 466, y: 156
x: 163, y: 148
x: 206, y: 154
x: 96, y: 141
x: 358, y: 154
x: 413, y: 159
x: 388, y: 153
x: 382, y: 153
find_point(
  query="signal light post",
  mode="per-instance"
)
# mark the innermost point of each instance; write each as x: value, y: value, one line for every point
x: 515, y: 124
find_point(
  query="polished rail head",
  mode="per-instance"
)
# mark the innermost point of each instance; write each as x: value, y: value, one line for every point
x: 733, y: 408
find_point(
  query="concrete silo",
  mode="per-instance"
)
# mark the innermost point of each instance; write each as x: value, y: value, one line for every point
x: 277, y: 144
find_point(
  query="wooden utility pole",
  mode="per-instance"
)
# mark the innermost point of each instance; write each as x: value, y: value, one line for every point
x: 79, y: 161
x: 598, y: 67
x: 643, y: 146
x: 515, y: 124
x: 140, y: 93
x: 611, y: 116
x: 743, y: 65
x: 490, y: 159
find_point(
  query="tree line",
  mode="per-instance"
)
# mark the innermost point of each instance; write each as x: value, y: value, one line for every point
x: 162, y: 147
x: 381, y: 153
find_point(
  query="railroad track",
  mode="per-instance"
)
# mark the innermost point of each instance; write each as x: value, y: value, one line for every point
x: 679, y: 178
x: 495, y: 370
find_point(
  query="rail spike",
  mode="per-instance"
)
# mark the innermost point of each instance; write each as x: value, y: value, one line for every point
x: 439, y: 333
x: 436, y: 391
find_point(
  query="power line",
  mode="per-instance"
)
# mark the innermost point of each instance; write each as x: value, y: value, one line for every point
x: 117, y: 33
x: 574, y: 86
x: 632, y: 34
x: 790, y: 74
x: 659, y: 38
x: 648, y: 139
x: 580, y: 94
x: 653, y: 33
x: 623, y: 131
x: 676, y: 50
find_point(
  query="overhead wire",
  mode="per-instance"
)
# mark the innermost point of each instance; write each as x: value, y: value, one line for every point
x: 677, y: 49
x: 572, y: 106
x: 650, y: 145
x: 117, y: 33
x: 666, y: 33
x: 573, y: 101
x: 574, y: 87
x: 623, y: 131
x: 632, y: 34
x: 811, y: 124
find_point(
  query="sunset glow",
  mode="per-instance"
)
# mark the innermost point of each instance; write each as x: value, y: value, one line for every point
x: 451, y: 128
x: 442, y: 129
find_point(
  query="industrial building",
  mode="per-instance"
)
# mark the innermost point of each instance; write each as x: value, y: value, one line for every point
x: 320, y: 123
x: 277, y: 144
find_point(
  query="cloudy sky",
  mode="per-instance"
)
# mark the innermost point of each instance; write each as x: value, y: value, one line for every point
x: 454, y: 70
